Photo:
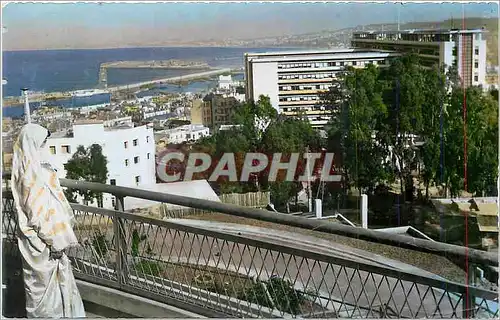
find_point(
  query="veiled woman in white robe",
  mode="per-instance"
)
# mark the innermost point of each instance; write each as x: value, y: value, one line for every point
x: 45, y: 221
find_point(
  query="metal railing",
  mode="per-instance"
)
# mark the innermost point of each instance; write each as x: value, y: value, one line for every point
x: 224, y: 274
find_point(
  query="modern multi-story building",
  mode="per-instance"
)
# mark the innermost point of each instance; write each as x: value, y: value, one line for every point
x: 130, y: 152
x: 465, y: 49
x: 295, y: 80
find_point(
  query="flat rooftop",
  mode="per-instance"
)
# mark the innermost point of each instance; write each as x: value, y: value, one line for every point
x: 301, y: 52
x: 331, y: 55
x: 421, y: 31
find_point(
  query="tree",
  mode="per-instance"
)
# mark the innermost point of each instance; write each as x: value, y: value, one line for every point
x: 404, y: 96
x: 356, y: 99
x: 436, y: 99
x: 87, y: 164
x: 254, y: 118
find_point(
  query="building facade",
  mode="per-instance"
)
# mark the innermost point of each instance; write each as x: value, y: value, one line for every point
x: 218, y: 109
x: 465, y: 49
x: 197, y: 111
x: 186, y: 133
x: 130, y: 152
x: 295, y: 80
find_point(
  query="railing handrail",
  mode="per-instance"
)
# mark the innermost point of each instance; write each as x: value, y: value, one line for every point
x: 472, y: 255
x: 296, y: 251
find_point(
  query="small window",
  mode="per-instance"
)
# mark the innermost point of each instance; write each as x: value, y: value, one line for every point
x: 476, y: 64
x: 137, y: 179
x: 112, y: 182
x: 125, y: 144
x: 149, y: 155
x: 65, y: 149
x: 52, y: 149
x: 135, y: 142
x: 476, y: 51
x: 126, y: 162
x: 354, y: 63
x: 476, y: 78
x: 136, y: 159
x: 147, y: 139
x: 113, y: 202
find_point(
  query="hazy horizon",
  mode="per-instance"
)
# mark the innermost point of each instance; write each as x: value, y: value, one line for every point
x: 51, y: 26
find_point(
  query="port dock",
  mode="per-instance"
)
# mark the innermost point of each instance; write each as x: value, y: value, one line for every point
x: 151, y: 64
x: 10, y: 101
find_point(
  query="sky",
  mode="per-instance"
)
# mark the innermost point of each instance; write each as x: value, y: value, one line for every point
x: 110, y: 25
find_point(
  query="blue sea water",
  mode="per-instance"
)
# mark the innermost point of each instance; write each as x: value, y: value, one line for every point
x: 66, y: 70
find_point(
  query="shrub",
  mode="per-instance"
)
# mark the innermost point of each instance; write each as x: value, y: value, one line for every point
x: 100, y: 245
x: 285, y: 297
x: 257, y: 293
x: 281, y: 293
x: 149, y: 267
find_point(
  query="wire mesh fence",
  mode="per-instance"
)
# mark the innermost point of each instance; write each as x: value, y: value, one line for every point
x: 240, y: 276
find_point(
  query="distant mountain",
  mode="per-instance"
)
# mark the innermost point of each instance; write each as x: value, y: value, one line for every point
x: 342, y: 37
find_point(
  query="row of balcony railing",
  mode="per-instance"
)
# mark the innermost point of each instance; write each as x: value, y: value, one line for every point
x: 224, y: 273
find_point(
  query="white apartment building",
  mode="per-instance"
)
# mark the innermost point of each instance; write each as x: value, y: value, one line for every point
x: 130, y: 152
x: 225, y: 82
x: 295, y: 80
x: 465, y: 49
x: 186, y: 133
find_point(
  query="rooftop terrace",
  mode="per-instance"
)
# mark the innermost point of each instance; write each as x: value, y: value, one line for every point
x: 246, y: 262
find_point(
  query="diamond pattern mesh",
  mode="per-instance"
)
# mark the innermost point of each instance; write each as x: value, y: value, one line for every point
x: 242, y: 277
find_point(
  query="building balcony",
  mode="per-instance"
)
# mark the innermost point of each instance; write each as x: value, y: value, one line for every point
x: 226, y: 270
x: 397, y: 42
x: 298, y: 103
x: 307, y: 112
x: 323, y: 80
x: 312, y: 91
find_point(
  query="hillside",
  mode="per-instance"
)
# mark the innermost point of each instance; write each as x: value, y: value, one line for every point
x: 341, y: 38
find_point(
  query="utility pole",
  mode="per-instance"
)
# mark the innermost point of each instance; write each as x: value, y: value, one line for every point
x: 27, y: 115
x: 399, y: 17
x: 309, y: 191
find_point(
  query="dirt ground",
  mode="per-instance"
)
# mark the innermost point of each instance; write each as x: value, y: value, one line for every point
x: 433, y: 263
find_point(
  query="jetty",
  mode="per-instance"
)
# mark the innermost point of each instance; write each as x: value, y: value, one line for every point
x: 10, y: 101
x: 188, y: 77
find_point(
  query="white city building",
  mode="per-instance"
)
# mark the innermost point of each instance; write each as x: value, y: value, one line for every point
x: 465, y: 49
x: 130, y: 152
x: 295, y: 80
x: 186, y: 133
x: 225, y: 82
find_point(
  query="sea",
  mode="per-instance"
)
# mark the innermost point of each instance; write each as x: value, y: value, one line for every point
x: 68, y: 70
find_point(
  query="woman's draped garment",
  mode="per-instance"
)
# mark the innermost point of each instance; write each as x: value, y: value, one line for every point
x: 45, y: 219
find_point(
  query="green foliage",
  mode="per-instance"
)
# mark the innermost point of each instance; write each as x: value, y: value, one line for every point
x: 290, y: 135
x: 257, y: 293
x: 87, y: 164
x: 357, y: 98
x: 482, y: 142
x: 282, y: 191
x: 378, y: 110
x: 136, y: 240
x: 276, y: 292
x: 280, y: 135
x: 285, y: 297
x: 247, y: 114
x: 100, y: 245
x: 149, y: 267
